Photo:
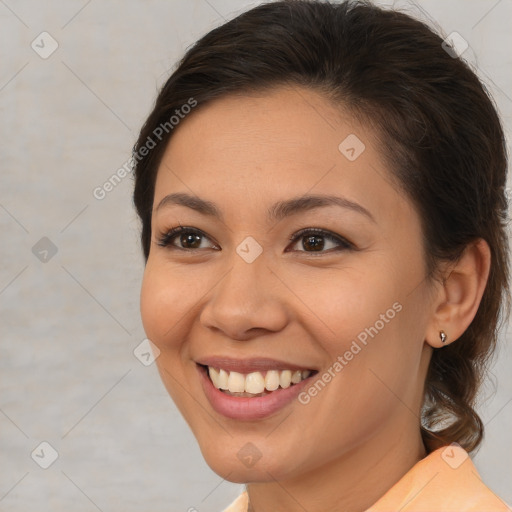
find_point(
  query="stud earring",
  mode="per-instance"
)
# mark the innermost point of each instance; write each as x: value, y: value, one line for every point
x: 443, y: 336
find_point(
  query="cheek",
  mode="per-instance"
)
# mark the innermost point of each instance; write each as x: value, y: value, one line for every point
x: 372, y: 326
x: 151, y: 307
x: 160, y: 306
x: 351, y: 304
x: 163, y: 314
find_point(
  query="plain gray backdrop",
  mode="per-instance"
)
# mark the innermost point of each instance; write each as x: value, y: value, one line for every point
x: 71, y: 264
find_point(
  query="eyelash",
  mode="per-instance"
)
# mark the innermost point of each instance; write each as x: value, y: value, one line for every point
x: 166, y: 239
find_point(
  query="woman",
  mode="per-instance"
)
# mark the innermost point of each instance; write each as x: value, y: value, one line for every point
x: 322, y: 196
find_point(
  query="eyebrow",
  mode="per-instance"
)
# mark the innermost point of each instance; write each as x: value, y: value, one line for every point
x: 275, y: 213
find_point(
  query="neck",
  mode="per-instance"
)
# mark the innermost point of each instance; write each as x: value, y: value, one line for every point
x: 353, y: 482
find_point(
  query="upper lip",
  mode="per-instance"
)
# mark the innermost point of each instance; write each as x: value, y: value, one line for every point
x: 254, y: 364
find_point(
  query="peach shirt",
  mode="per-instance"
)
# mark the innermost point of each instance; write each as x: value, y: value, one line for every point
x: 445, y: 480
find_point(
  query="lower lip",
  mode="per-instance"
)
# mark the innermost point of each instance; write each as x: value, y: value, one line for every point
x: 242, y: 408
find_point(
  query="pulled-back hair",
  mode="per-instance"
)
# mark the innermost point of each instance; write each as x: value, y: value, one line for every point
x: 439, y: 134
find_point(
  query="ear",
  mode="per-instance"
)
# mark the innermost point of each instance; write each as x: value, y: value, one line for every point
x: 456, y: 302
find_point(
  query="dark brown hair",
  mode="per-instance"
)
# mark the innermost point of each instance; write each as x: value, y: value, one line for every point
x: 439, y: 133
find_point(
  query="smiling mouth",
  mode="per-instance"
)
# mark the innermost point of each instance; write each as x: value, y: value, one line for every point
x: 254, y: 384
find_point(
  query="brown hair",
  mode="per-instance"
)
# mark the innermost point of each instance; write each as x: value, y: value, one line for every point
x: 439, y: 133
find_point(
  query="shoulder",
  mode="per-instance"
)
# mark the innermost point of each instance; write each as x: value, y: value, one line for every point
x: 446, y: 480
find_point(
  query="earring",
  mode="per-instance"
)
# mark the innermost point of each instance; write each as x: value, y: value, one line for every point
x: 443, y: 336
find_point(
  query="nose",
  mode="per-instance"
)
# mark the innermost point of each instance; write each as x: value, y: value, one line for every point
x: 248, y: 301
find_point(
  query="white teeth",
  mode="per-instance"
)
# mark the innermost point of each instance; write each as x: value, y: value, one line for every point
x: 214, y: 375
x: 296, y: 377
x: 272, y: 380
x: 223, y: 379
x: 285, y: 379
x: 236, y: 382
x: 255, y: 383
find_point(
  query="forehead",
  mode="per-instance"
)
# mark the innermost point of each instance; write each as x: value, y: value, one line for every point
x: 245, y: 152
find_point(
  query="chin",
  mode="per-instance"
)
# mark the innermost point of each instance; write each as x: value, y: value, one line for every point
x: 235, y: 473
x: 246, y: 464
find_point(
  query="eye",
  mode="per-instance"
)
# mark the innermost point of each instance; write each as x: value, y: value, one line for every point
x: 314, y: 239
x: 190, y: 238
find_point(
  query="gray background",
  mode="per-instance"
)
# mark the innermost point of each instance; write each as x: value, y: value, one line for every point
x: 69, y: 324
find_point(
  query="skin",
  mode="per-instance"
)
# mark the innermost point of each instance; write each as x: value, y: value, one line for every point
x: 346, y: 447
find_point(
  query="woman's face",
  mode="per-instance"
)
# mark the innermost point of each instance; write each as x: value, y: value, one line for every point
x: 246, y: 294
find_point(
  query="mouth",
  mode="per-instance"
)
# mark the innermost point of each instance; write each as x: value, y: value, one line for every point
x: 254, y: 384
x: 251, y: 390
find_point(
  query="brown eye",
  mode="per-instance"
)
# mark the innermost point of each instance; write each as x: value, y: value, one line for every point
x: 189, y: 238
x: 314, y: 240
